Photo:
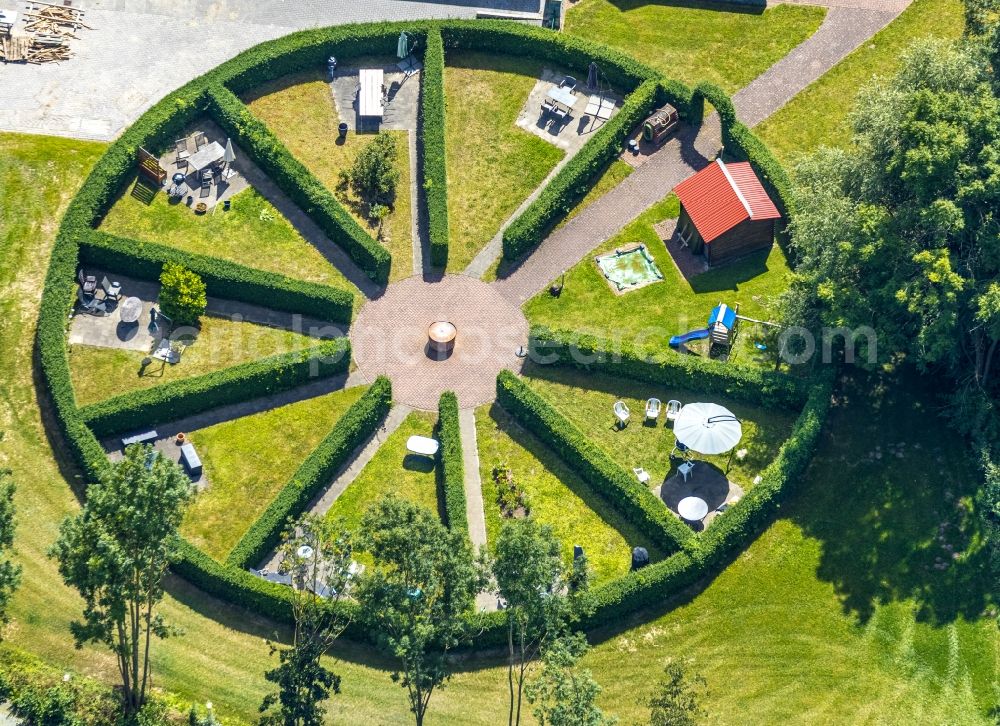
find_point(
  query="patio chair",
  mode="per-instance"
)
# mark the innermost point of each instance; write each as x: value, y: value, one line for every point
x: 685, y: 469
x: 641, y: 474
x: 88, y: 283
x: 621, y: 414
x: 560, y: 113
x: 90, y: 305
x: 181, y: 148
x: 673, y: 410
x: 548, y: 106
x: 652, y: 409
x: 206, y: 183
x: 200, y: 140
x: 568, y: 82
x: 680, y: 451
x: 112, y: 290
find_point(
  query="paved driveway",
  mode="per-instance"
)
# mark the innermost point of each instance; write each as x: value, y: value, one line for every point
x: 140, y: 50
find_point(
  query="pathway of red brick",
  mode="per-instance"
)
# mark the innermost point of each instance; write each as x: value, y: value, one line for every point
x: 390, y: 335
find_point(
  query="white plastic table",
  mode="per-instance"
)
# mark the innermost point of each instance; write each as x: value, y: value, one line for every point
x: 370, y: 98
x: 422, y: 445
x: 563, y: 96
x: 693, y: 509
x: 130, y: 310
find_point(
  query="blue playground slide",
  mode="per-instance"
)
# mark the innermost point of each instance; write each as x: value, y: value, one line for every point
x: 686, y: 337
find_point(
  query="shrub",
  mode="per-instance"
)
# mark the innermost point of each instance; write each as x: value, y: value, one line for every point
x: 223, y: 279
x: 168, y: 402
x: 317, y: 471
x: 374, y: 175
x: 295, y: 180
x: 434, y: 171
x: 451, y: 472
x: 511, y: 499
x: 182, y: 295
x: 620, y: 490
x: 574, y: 180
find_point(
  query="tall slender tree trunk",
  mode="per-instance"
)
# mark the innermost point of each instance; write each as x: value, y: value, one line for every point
x: 510, y: 672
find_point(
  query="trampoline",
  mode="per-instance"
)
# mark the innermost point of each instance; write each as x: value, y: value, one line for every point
x: 629, y: 268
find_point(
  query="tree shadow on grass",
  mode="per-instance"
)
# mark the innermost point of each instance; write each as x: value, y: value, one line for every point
x: 730, y: 7
x: 889, y: 496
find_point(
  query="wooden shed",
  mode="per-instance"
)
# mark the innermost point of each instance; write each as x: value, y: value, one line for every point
x: 725, y: 212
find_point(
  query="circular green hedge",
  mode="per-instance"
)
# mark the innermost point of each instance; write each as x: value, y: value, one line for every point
x: 215, y: 94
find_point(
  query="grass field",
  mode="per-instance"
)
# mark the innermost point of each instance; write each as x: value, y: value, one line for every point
x: 252, y: 233
x: 587, y: 399
x: 655, y: 312
x: 557, y: 497
x: 101, y: 372
x: 492, y: 164
x: 299, y: 109
x: 695, y: 42
x: 247, y: 462
x: 835, y: 615
x: 392, y: 470
x: 820, y: 113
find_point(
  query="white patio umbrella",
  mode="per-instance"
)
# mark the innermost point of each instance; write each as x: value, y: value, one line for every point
x: 229, y: 156
x: 707, y: 428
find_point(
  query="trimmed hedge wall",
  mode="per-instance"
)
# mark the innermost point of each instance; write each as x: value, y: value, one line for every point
x: 309, y: 49
x: 574, y: 180
x: 451, y: 469
x: 665, y: 367
x: 433, y: 159
x: 355, y: 427
x: 295, y: 180
x: 622, y: 491
x: 718, y: 98
x: 147, y: 407
x: 224, y: 279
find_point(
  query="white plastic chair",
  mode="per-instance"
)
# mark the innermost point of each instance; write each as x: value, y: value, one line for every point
x: 673, y: 410
x: 653, y: 409
x: 622, y: 413
x: 685, y: 469
x: 642, y: 475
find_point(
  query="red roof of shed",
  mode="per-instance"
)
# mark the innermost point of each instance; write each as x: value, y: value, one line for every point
x: 720, y: 196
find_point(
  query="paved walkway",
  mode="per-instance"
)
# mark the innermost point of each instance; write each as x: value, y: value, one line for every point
x: 473, y: 484
x: 843, y: 30
x: 390, y: 337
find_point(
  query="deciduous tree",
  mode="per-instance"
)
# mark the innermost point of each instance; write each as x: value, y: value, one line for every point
x: 564, y: 694
x: 418, y: 593
x: 676, y: 701
x: 116, y: 551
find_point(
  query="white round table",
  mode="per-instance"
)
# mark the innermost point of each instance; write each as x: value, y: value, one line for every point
x: 693, y: 509
x: 130, y: 310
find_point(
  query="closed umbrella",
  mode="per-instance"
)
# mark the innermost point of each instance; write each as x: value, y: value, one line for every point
x: 229, y: 156
x: 707, y: 428
x: 403, y: 46
x: 592, y: 76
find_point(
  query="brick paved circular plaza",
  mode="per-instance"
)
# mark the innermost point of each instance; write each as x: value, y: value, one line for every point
x: 390, y: 337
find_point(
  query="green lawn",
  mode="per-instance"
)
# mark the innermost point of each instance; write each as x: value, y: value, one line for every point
x: 820, y: 113
x: 249, y: 460
x: 837, y: 614
x: 392, y: 470
x: 587, y: 399
x: 691, y: 42
x: 557, y: 497
x: 658, y: 311
x: 832, y: 616
x: 299, y: 109
x: 252, y: 233
x: 102, y: 372
x: 492, y: 164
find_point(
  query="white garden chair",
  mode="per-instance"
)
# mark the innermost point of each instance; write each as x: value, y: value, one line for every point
x: 673, y: 410
x: 622, y: 413
x: 652, y: 409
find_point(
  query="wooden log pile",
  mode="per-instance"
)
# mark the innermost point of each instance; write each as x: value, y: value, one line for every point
x: 45, y: 35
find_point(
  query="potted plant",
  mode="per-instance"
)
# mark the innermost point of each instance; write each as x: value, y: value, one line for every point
x: 181, y: 438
